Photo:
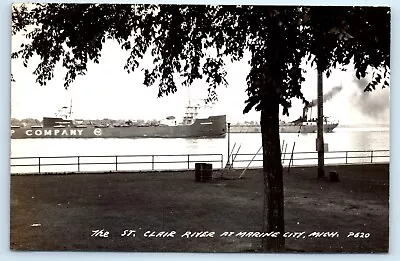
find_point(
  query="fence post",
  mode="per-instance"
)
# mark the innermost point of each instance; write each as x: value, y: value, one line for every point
x: 372, y: 155
x: 152, y: 162
x: 222, y: 161
x: 39, y: 164
x: 346, y: 156
x: 116, y: 163
x: 79, y: 167
x: 188, y: 161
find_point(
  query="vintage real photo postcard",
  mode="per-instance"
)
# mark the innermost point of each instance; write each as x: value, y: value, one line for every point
x: 200, y: 128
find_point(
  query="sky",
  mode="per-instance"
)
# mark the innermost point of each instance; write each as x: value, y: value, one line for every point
x: 108, y: 91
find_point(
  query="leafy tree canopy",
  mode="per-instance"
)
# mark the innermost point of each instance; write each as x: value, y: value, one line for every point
x: 195, y: 41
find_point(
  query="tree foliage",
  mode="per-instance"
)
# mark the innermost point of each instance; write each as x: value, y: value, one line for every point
x: 358, y: 35
x: 183, y: 40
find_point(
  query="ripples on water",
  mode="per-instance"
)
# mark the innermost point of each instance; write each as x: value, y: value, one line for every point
x: 343, y: 139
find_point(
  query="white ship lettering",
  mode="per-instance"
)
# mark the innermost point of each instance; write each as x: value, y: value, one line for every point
x: 65, y: 132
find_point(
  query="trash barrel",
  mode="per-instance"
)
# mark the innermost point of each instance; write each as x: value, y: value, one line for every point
x: 333, y: 176
x: 203, y: 172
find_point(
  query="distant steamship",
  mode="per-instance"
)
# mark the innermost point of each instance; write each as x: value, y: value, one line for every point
x: 301, y: 125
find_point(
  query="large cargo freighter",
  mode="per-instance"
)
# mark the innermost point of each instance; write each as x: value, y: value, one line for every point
x: 64, y: 127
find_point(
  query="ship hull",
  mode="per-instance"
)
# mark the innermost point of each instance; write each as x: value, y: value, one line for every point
x: 285, y: 128
x: 213, y: 127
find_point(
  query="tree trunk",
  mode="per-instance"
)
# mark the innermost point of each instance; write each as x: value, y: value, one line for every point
x: 273, y: 209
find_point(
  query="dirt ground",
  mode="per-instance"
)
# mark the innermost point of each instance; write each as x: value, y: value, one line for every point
x: 60, y: 212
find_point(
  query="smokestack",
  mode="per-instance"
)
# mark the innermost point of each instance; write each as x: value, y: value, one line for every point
x: 305, y: 109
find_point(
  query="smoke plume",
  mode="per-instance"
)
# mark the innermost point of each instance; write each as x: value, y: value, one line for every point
x: 372, y: 104
x: 327, y: 96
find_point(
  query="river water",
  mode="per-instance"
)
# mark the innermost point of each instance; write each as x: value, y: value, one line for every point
x: 342, y: 139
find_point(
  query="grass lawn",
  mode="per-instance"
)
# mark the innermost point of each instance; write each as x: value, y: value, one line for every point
x: 161, y: 211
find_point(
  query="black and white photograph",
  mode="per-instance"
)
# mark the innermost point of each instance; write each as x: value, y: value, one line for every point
x: 197, y: 128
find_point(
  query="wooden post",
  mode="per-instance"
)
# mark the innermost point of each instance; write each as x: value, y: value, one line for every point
x: 291, y: 157
x: 320, y: 126
x: 230, y: 153
x: 116, y: 163
x: 39, y: 164
x: 234, y: 157
x: 284, y: 154
x: 250, y: 163
x: 229, y: 140
x: 152, y: 162
x: 79, y: 167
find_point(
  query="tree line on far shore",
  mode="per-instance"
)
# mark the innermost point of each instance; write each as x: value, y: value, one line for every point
x: 35, y: 122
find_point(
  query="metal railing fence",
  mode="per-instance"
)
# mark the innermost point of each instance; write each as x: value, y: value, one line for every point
x: 115, y: 163
x: 111, y: 163
x: 311, y: 158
